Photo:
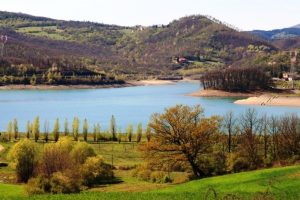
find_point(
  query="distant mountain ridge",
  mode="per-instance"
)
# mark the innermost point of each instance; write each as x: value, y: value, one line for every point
x: 76, y: 46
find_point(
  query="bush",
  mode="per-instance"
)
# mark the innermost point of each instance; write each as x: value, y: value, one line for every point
x: 38, y: 185
x: 81, y: 152
x: 24, y: 158
x: 55, y: 158
x: 61, y: 183
x: 95, y: 171
x: 160, y: 177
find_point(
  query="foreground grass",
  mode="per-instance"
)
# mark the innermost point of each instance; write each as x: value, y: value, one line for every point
x: 282, y: 183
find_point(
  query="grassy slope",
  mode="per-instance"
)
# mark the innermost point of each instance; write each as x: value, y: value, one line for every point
x: 285, y: 184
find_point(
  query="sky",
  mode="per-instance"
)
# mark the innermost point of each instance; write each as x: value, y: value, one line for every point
x: 244, y: 14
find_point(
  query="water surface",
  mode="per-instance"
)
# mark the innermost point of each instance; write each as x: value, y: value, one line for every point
x: 128, y: 105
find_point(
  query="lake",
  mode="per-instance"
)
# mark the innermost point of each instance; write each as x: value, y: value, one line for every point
x: 128, y: 105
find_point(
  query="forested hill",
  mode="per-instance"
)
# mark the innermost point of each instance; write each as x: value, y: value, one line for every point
x: 85, y: 48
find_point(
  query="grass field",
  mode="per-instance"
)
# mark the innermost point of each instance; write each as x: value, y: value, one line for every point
x: 283, y: 183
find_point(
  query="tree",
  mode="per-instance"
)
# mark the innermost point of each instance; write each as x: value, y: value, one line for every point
x: 113, y: 128
x: 75, y: 127
x: 119, y: 135
x: 148, y: 133
x: 36, y: 128
x: 66, y: 127
x: 46, y: 131
x: 9, y: 130
x: 182, y: 134
x: 129, y: 132
x: 24, y: 156
x: 139, y: 132
x: 33, y: 80
x: 15, y: 129
x: 28, y: 130
x: 85, y: 129
x: 81, y: 152
x: 97, y: 133
x: 229, y: 125
x: 56, y: 130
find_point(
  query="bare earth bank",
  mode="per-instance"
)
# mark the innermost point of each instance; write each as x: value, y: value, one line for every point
x: 68, y: 87
x: 219, y: 93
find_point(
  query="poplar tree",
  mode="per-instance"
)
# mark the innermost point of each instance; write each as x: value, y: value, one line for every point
x: 28, y: 130
x: 148, y: 133
x: 113, y: 128
x: 56, y: 130
x: 9, y: 130
x: 46, y: 131
x: 75, y: 127
x: 119, y: 135
x: 85, y: 129
x: 129, y: 132
x: 36, y: 128
x: 66, y: 127
x: 139, y: 132
x: 98, y: 134
x: 15, y: 129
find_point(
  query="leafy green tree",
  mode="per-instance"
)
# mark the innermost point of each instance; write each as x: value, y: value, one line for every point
x: 85, y: 129
x: 56, y: 130
x: 139, y: 132
x: 28, y: 130
x: 36, y: 128
x: 9, y: 130
x: 15, y: 129
x: 75, y: 127
x: 113, y: 128
x: 24, y: 157
x: 81, y: 152
x: 129, y: 132
x: 66, y: 127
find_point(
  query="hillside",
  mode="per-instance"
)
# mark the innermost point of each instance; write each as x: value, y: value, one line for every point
x: 86, y: 48
x: 277, y: 183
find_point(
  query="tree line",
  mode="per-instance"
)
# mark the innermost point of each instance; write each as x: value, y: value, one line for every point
x: 183, y: 139
x: 237, y: 79
x: 42, y: 132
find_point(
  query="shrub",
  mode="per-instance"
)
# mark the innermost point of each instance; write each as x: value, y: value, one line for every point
x: 55, y: 158
x: 24, y: 158
x: 81, y: 152
x: 61, y: 183
x: 159, y: 177
x: 95, y: 171
x: 38, y: 185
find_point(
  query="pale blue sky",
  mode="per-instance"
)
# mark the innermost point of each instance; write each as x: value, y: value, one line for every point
x: 244, y: 14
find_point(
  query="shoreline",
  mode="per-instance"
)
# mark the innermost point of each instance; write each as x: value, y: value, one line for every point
x: 70, y: 87
x: 259, y: 98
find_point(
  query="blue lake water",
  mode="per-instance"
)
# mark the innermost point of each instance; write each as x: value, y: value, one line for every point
x: 128, y: 105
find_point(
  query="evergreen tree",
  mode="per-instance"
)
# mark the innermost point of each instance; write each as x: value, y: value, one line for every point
x: 36, y: 128
x: 113, y: 128
x: 75, y: 127
x: 9, y: 130
x: 139, y: 132
x: 28, y: 130
x: 129, y: 132
x: 56, y: 130
x: 85, y: 129
x: 66, y: 127
x: 15, y: 129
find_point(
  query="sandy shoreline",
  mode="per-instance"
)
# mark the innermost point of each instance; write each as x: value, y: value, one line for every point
x: 257, y: 98
x: 219, y: 93
x: 69, y: 87
x: 270, y: 100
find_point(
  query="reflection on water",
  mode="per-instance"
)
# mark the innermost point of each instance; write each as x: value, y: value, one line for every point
x: 129, y: 105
